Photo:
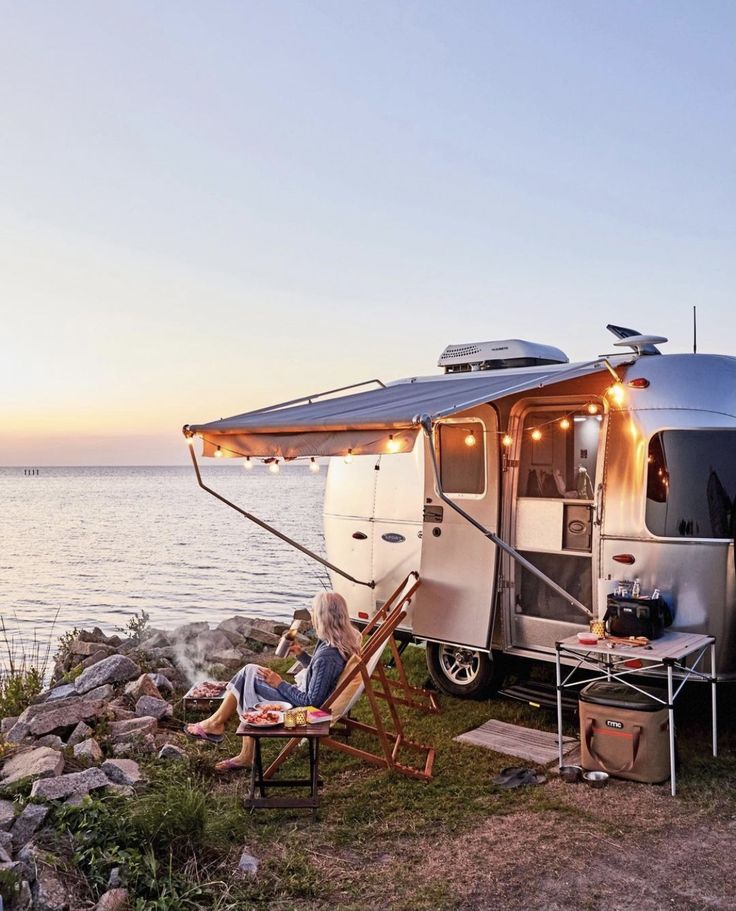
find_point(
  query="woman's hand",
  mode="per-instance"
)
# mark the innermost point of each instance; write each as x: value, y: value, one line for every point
x: 270, y: 677
x: 295, y: 649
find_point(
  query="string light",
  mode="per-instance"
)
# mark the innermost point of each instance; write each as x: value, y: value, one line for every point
x: 393, y: 445
x: 592, y: 408
x: 274, y: 467
x: 617, y: 393
x: 536, y: 434
x: 507, y: 440
x: 470, y: 439
x: 349, y: 457
x: 564, y: 424
x: 247, y: 464
x: 313, y: 465
x: 218, y: 453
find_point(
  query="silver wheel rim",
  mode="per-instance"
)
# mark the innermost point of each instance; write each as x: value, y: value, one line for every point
x: 460, y: 665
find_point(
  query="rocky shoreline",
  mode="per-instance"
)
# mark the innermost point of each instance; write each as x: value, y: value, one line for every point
x: 112, y: 701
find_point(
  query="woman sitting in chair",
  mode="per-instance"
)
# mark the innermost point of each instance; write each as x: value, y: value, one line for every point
x: 337, y: 641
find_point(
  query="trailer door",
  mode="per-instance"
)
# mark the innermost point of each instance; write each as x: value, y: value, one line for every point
x: 458, y: 564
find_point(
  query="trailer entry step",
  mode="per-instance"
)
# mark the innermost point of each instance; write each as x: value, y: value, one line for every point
x: 539, y: 695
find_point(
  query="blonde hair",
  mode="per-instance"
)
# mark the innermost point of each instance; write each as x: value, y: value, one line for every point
x: 332, y: 623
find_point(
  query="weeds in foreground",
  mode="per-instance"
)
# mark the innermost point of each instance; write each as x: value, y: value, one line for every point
x: 22, y: 670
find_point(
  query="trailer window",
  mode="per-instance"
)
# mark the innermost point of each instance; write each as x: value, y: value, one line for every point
x: 558, y: 455
x: 462, y: 457
x: 691, y: 484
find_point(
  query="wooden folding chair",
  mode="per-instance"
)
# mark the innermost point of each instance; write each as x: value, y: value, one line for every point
x: 402, y: 692
x: 357, y: 680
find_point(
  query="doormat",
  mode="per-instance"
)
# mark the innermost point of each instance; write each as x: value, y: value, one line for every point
x: 525, y: 743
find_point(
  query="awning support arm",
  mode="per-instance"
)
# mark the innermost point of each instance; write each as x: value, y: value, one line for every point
x: 426, y: 423
x: 267, y: 527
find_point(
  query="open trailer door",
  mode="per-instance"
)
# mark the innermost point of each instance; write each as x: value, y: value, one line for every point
x: 458, y: 565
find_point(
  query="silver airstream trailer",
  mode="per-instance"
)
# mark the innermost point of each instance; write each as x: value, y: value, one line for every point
x: 521, y: 487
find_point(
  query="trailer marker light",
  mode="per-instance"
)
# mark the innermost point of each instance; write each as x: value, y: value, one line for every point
x: 625, y: 558
x: 639, y: 383
x: 362, y: 615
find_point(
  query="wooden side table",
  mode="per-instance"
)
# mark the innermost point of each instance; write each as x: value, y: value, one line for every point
x: 258, y: 797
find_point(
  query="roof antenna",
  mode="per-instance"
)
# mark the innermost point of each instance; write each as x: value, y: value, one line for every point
x: 695, y: 330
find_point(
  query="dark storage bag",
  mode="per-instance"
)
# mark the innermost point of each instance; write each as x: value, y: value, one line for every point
x: 624, y: 732
x: 637, y: 616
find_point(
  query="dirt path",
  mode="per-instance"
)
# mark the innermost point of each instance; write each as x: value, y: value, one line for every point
x: 637, y: 851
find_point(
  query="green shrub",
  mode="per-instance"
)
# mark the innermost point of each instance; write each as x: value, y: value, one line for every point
x: 18, y: 689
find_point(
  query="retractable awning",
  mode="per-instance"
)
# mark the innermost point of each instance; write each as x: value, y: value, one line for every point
x: 364, y: 422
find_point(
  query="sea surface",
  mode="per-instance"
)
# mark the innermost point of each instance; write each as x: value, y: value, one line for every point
x: 96, y: 546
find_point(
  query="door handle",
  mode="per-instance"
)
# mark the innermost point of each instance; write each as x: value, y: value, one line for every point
x: 598, y: 513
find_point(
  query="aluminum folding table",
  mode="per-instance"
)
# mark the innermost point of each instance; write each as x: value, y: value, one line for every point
x: 680, y: 655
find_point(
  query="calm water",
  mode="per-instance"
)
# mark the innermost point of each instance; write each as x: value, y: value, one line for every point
x: 100, y: 544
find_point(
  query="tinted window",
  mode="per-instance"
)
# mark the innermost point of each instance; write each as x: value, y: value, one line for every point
x: 462, y: 458
x: 691, y: 484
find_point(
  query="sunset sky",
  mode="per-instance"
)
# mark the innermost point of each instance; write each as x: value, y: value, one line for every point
x: 207, y: 207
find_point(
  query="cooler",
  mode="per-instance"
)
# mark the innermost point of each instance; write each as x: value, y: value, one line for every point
x: 624, y: 732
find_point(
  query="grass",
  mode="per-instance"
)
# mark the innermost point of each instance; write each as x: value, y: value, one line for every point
x: 180, y: 840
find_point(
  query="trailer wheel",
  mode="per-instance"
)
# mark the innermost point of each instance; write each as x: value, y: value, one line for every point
x: 460, y: 671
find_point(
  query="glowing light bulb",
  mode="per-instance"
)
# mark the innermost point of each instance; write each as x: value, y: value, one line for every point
x: 536, y: 435
x: 592, y: 408
x: 564, y: 424
x: 507, y: 440
x: 190, y: 441
x: 349, y: 457
x: 313, y: 465
x: 470, y: 439
x: 218, y: 453
x: 393, y: 445
x: 617, y: 394
x: 247, y: 464
x: 274, y: 467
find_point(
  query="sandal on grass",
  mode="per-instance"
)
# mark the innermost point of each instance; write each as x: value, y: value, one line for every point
x: 517, y: 777
x: 197, y: 732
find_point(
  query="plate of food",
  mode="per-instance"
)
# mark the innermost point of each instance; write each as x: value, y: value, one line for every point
x: 208, y: 689
x: 258, y: 718
x: 273, y: 706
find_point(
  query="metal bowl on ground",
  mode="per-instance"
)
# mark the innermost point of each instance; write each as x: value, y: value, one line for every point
x: 596, y: 779
x: 571, y: 773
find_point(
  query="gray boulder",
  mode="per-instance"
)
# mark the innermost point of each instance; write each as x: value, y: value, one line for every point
x: 81, y: 732
x: 89, y: 750
x: 171, y: 751
x: 65, y: 691
x: 189, y: 630
x: 85, y: 649
x: 67, y: 785
x: 18, y: 732
x: 122, y: 771
x: 51, y: 891
x: 142, y: 686
x: 5, y: 857
x: 64, y: 713
x: 41, y: 762
x: 144, y: 744
x: 50, y: 740
x: 7, y: 723
x: 28, y: 823
x: 113, y: 900
x: 102, y: 692
x: 114, y: 669
x: 121, y: 731
x: 163, y: 685
x: 7, y: 815
x: 150, y: 706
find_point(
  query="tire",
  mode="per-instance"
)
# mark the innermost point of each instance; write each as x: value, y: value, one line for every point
x: 462, y: 672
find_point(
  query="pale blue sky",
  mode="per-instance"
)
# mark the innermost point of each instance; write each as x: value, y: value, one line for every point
x: 205, y: 207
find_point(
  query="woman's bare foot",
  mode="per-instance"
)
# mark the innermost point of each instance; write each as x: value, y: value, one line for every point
x: 232, y: 765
